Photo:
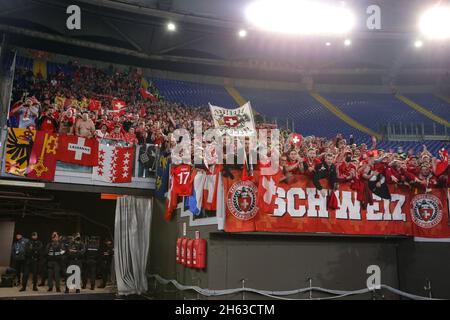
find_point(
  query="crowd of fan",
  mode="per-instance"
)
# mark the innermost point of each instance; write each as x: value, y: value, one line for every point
x: 152, y: 122
x: 61, y: 103
x: 340, y: 160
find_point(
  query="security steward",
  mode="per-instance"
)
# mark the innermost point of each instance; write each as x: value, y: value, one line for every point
x: 33, y: 254
x: 91, y: 256
x: 74, y: 256
x: 106, y: 256
x: 55, y: 252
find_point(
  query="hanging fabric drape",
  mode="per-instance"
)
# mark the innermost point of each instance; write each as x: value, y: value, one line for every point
x: 132, y: 243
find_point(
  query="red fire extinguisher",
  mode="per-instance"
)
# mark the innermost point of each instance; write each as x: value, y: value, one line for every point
x: 178, y: 250
x: 199, y: 253
x: 189, y: 247
x: 183, y: 251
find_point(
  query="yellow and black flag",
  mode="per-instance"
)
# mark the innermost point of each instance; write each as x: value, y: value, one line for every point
x: 18, y: 150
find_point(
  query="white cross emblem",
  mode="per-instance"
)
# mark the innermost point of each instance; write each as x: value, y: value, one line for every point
x: 426, y: 214
x: 119, y: 105
x: 231, y: 122
x: 79, y: 148
x: 245, y: 204
x: 295, y: 140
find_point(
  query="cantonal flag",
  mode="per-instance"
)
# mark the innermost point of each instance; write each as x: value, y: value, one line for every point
x: 78, y: 150
x: 115, y: 164
x: 42, y: 165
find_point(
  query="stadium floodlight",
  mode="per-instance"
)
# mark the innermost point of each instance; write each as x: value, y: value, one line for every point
x: 328, y: 44
x: 418, y: 43
x: 347, y: 42
x: 242, y: 33
x: 304, y: 17
x: 171, y: 26
x: 435, y: 23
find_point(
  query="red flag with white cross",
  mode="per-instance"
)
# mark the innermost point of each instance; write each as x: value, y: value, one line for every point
x: 78, y: 150
x: 118, y: 104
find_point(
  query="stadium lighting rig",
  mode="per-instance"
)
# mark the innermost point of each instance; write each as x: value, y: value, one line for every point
x: 242, y: 33
x: 300, y: 17
x: 171, y: 26
x: 434, y: 23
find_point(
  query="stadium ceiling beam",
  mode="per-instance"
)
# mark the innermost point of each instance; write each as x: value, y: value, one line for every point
x: 180, y: 45
x: 123, y: 35
x: 169, y: 15
x: 172, y: 58
x: 17, y: 9
x: 214, y: 21
x: 164, y: 4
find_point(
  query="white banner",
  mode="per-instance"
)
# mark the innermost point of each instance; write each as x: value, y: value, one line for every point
x: 234, y: 122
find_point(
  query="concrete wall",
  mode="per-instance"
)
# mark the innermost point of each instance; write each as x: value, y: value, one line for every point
x: 287, y: 261
x: 6, y: 239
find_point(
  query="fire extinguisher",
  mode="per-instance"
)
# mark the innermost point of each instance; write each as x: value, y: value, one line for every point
x: 183, y: 251
x: 199, y: 253
x: 189, y: 247
x: 178, y: 250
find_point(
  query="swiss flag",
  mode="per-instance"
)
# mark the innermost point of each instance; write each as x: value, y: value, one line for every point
x: 147, y: 95
x: 118, y: 104
x: 295, y: 139
x: 78, y: 150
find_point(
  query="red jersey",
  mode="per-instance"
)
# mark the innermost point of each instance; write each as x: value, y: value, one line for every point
x: 295, y: 170
x: 48, y: 125
x: 181, y: 180
x: 345, y: 170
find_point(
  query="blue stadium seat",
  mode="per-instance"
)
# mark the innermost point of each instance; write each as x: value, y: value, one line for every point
x: 372, y: 110
x: 194, y: 94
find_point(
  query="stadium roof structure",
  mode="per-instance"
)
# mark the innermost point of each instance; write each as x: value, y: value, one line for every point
x: 206, y: 38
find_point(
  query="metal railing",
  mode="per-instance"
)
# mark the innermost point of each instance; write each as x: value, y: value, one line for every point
x: 414, y: 131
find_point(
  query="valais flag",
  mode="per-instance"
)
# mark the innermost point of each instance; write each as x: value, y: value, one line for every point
x: 115, y: 164
x: 77, y: 150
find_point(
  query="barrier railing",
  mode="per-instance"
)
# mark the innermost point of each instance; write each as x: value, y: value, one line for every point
x: 414, y: 131
x: 282, y: 295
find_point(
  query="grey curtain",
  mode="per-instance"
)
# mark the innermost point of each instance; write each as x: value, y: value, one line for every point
x: 132, y: 243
